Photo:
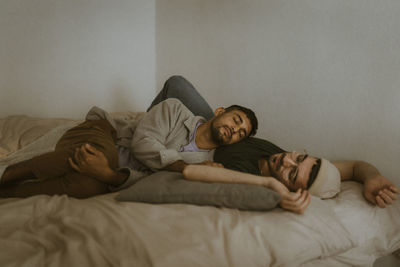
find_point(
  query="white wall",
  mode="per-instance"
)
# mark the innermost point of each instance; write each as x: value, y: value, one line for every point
x: 321, y: 74
x: 58, y: 58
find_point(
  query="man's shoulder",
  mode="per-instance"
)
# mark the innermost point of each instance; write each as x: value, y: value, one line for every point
x: 175, y: 104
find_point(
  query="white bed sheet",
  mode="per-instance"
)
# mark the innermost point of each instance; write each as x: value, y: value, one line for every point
x: 63, y: 231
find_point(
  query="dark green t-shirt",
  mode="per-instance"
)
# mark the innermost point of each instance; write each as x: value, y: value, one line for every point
x: 243, y: 156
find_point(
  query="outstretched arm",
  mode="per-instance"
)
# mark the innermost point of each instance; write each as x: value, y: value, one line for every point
x: 377, y: 188
x: 179, y: 166
x: 296, y: 202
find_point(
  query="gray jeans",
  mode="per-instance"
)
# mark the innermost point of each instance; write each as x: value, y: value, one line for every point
x: 180, y: 88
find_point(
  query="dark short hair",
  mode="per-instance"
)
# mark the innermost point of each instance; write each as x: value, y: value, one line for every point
x: 314, y: 173
x: 249, y: 114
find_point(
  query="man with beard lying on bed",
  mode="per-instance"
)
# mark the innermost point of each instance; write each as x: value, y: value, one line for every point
x: 253, y: 160
x: 96, y: 156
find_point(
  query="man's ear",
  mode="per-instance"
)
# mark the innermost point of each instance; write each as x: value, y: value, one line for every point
x: 219, y: 111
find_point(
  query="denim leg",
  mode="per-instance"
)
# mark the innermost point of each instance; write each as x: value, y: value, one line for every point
x: 180, y: 88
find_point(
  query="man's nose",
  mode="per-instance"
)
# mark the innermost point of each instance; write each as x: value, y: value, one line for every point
x: 235, y: 129
x: 288, y: 161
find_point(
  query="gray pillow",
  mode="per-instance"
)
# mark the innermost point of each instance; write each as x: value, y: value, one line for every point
x: 171, y: 187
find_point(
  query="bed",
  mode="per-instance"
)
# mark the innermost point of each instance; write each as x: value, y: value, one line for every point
x: 100, y: 231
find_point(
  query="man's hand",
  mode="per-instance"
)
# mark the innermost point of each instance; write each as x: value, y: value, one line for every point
x: 377, y: 189
x: 296, y: 202
x: 293, y: 201
x: 380, y: 191
x: 92, y: 162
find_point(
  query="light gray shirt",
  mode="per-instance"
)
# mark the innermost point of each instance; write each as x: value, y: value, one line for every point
x: 155, y: 139
x: 161, y: 134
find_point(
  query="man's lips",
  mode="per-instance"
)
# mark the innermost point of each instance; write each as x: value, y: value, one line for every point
x: 228, y: 131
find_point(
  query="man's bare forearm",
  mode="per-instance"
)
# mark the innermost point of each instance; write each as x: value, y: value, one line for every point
x: 179, y: 166
x: 363, y: 171
x: 220, y: 175
x: 358, y: 171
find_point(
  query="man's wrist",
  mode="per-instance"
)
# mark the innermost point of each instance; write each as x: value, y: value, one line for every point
x: 177, y: 166
x: 114, y: 178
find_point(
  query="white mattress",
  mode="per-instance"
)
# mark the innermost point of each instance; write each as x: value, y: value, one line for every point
x: 63, y: 231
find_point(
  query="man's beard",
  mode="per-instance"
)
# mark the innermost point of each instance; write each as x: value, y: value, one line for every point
x: 272, y: 172
x: 216, y: 135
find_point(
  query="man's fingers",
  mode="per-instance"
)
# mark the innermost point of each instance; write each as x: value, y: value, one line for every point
x: 371, y: 198
x: 84, y: 154
x: 295, y: 199
x: 90, y: 149
x: 391, y: 194
x: 305, y: 198
x: 305, y: 204
x: 301, y: 199
x: 77, y: 156
x: 380, y: 202
x: 73, y: 165
x: 394, y: 189
x: 301, y: 204
x: 292, y: 197
x: 86, y: 151
x: 383, y: 194
x: 302, y: 195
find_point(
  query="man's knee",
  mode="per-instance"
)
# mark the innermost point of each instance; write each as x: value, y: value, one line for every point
x: 176, y: 78
x: 177, y: 83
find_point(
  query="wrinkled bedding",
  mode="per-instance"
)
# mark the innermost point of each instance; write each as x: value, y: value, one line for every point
x: 99, y: 231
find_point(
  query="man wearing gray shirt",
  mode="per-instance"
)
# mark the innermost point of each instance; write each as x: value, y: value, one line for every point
x: 103, y: 154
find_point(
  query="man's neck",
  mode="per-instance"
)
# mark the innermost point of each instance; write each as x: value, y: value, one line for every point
x: 203, y: 138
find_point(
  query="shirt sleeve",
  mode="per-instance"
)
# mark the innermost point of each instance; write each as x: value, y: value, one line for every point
x: 133, y: 177
x: 150, y: 136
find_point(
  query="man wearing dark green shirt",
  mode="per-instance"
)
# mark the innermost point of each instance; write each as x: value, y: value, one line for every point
x: 295, y: 170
